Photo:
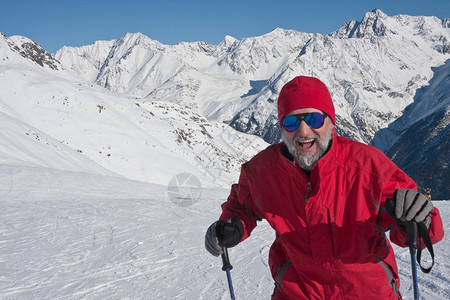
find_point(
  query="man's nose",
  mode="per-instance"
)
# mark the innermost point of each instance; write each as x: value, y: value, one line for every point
x: 304, y: 129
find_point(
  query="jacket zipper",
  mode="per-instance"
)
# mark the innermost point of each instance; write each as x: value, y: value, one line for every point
x: 308, y: 191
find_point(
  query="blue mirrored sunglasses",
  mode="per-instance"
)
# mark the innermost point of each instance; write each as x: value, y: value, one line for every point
x: 314, y: 120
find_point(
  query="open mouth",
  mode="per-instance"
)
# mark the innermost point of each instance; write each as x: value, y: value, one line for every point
x: 306, y: 144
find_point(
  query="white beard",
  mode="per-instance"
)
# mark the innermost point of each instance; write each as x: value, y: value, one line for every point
x: 304, y: 160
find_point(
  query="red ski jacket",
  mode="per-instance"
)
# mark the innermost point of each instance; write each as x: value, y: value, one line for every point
x: 330, y: 227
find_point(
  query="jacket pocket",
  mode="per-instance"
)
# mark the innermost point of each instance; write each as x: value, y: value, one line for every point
x: 392, y: 277
x: 280, y: 271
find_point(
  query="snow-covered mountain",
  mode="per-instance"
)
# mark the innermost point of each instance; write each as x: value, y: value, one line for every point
x: 421, y: 135
x: 51, y: 118
x: 373, y: 68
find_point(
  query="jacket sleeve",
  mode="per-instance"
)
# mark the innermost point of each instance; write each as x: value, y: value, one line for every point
x: 399, y: 180
x: 240, y: 204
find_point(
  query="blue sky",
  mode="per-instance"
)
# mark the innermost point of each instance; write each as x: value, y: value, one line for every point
x: 58, y: 23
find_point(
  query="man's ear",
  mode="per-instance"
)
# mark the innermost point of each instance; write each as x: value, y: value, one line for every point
x: 331, y: 124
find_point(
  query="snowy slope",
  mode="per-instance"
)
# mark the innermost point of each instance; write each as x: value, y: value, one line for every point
x: 148, y: 141
x: 73, y: 235
x: 22, y: 144
x: 66, y: 148
x: 421, y: 136
x: 89, y: 58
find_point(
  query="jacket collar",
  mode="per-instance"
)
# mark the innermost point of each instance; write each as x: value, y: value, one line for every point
x: 329, y: 162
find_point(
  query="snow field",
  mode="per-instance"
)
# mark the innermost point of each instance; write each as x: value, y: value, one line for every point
x: 74, y: 235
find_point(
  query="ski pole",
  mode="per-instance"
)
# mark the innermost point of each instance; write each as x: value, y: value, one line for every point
x: 411, y: 241
x: 227, y: 267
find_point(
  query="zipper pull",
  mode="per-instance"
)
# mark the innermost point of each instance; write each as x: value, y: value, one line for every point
x: 308, y: 191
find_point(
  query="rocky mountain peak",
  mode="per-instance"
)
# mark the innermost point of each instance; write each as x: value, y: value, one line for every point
x: 371, y: 25
x: 33, y: 51
x: 227, y: 41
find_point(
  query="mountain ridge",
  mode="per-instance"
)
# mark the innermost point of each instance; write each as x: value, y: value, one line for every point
x: 373, y: 68
x: 282, y: 54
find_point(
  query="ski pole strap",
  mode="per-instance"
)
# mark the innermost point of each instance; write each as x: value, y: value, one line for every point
x: 423, y: 233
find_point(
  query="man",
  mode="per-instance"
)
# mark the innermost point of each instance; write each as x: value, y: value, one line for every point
x: 325, y: 197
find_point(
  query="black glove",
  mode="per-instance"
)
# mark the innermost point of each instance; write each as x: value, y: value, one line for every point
x: 409, y: 205
x: 223, y: 234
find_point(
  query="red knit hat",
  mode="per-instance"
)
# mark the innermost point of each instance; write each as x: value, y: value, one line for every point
x: 302, y: 92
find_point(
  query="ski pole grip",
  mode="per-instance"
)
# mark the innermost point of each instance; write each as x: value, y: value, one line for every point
x: 411, y: 235
x: 226, y: 260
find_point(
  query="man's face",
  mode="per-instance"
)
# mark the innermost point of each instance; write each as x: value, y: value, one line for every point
x: 308, y: 145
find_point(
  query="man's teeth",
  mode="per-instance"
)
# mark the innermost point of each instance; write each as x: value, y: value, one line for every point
x: 306, y: 141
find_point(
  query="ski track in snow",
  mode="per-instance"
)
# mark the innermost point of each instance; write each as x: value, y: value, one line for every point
x: 69, y: 235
